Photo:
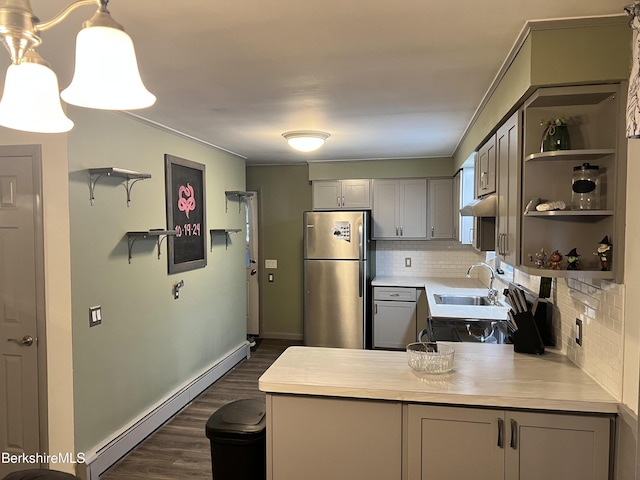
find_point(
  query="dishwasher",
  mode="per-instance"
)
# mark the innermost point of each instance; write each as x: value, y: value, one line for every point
x: 467, y: 330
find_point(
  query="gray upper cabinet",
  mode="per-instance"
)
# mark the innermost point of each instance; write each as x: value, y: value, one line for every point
x: 337, y: 194
x: 400, y: 209
x: 485, y: 168
x: 595, y: 118
x: 509, y: 159
x: 440, y: 208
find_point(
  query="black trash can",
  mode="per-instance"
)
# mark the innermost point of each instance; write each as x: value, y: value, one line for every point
x: 237, y: 433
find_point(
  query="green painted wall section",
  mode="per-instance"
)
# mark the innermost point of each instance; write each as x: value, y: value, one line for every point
x: 559, y: 56
x: 581, y: 55
x: 393, y: 168
x: 148, y: 345
x: 284, y: 193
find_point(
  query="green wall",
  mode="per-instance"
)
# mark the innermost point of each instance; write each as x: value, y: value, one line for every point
x: 284, y: 192
x: 148, y: 345
x: 394, y: 168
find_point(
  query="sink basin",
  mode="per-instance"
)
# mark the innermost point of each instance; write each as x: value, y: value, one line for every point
x: 452, y: 299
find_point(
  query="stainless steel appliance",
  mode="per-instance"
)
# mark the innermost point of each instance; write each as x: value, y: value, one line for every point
x: 337, y: 279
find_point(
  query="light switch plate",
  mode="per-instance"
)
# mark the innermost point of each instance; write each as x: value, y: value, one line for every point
x: 95, y: 315
x: 407, y: 261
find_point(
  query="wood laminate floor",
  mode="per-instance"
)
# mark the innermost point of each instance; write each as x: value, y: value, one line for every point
x: 180, y: 448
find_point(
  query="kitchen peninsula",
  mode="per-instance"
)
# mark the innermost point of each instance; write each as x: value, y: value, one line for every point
x: 341, y: 413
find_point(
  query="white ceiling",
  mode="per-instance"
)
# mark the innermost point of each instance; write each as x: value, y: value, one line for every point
x: 387, y: 79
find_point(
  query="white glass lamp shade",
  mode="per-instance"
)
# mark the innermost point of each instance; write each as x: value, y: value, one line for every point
x: 31, y: 100
x: 106, y: 75
x: 305, y: 141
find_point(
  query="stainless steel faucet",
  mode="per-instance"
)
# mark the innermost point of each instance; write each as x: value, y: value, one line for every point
x: 492, y: 294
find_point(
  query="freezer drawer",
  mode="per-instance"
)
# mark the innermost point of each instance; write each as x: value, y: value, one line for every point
x: 334, y: 303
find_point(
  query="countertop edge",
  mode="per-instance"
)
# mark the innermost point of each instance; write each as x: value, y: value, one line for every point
x: 592, y: 407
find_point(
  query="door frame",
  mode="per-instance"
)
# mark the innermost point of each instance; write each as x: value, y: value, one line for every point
x: 34, y: 153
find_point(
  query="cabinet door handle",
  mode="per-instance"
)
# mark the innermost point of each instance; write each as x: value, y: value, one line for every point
x: 342, y: 203
x: 513, y: 443
x: 338, y: 201
x: 500, y: 432
x: 376, y: 309
x: 401, y: 233
x: 396, y: 230
x: 433, y: 230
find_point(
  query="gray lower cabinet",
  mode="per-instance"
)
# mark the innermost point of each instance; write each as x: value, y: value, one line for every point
x: 484, y: 444
x: 397, y: 312
x: 320, y: 438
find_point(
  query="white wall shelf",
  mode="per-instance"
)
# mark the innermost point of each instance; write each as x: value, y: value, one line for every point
x: 241, y: 196
x: 158, y: 234
x: 222, y: 231
x: 129, y: 177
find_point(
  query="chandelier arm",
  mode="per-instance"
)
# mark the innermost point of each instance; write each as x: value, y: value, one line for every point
x: 64, y: 13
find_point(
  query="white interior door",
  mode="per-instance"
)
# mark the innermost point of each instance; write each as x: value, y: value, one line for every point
x: 253, y: 266
x: 19, y: 419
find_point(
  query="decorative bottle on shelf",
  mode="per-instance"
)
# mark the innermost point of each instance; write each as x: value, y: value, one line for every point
x: 555, y: 136
x: 585, y: 187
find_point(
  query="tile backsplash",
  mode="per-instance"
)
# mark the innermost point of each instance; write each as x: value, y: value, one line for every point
x: 598, y: 303
x: 437, y: 258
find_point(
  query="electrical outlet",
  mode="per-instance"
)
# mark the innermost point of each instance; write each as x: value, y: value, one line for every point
x: 407, y: 261
x: 271, y: 278
x: 95, y: 315
x: 579, y: 331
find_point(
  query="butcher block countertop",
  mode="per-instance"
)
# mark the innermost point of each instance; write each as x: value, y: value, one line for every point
x: 483, y: 375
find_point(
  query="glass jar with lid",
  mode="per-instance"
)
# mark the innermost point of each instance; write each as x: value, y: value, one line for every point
x: 585, y: 187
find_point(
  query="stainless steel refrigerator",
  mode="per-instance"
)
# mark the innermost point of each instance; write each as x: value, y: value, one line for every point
x: 337, y: 279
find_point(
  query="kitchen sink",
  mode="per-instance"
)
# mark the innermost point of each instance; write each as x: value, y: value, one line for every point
x: 452, y: 299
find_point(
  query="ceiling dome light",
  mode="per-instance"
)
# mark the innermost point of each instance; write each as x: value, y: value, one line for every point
x: 306, y: 140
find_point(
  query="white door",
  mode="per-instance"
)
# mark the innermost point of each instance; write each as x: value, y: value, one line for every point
x: 19, y: 300
x: 253, y: 265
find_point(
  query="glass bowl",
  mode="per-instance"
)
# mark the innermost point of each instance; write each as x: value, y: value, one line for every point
x: 429, y: 358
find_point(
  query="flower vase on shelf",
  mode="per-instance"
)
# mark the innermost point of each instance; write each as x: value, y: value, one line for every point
x: 555, y: 136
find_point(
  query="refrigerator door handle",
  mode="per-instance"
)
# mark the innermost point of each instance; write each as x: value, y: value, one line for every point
x: 360, y: 243
x: 360, y: 278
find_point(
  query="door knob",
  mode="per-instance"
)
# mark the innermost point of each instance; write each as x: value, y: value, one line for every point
x: 26, y: 341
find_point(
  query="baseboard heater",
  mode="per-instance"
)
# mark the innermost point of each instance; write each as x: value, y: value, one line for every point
x: 100, y: 460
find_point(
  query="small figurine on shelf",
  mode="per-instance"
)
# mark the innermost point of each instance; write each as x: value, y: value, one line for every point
x: 573, y: 263
x: 540, y: 258
x: 554, y: 260
x: 603, y: 252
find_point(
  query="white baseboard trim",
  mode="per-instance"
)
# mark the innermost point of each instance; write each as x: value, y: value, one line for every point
x: 111, y: 451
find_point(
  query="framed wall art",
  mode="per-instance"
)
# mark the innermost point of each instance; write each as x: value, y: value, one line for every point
x: 185, y: 188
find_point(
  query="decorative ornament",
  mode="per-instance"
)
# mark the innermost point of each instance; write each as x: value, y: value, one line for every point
x: 554, y: 260
x: 603, y: 253
x: 573, y: 263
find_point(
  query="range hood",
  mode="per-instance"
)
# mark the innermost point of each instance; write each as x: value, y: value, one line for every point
x: 481, y: 207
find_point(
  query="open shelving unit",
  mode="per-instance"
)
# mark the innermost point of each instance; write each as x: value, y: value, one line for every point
x: 595, y: 118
